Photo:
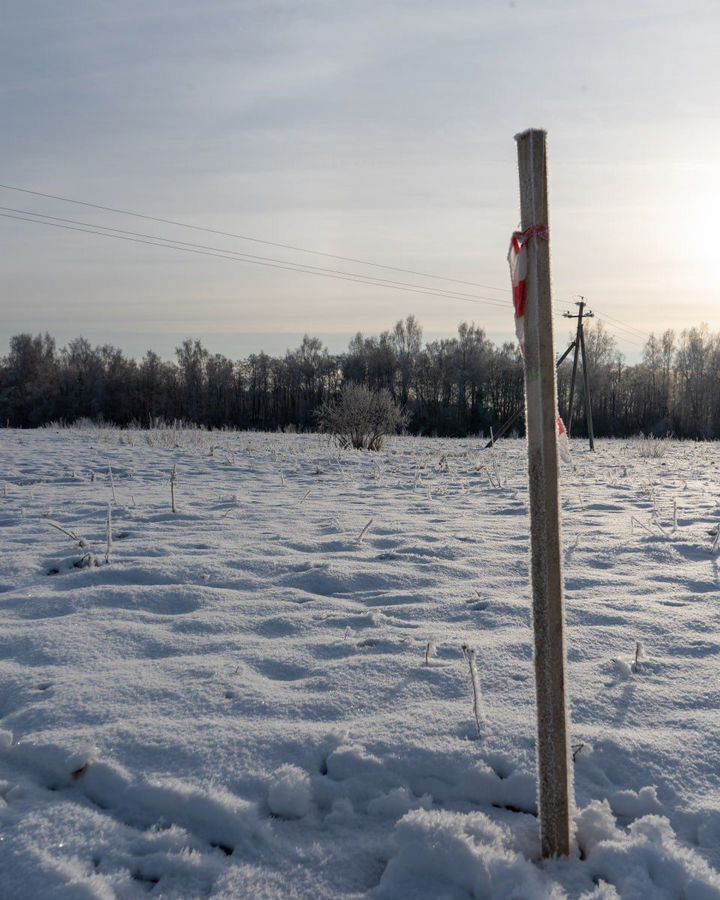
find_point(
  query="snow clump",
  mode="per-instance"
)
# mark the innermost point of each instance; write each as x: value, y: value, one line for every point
x: 290, y: 795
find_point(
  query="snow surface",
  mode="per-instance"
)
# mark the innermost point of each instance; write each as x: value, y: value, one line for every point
x: 237, y: 704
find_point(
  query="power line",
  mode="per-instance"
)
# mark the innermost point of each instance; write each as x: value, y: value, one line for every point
x: 246, y: 257
x: 243, y: 237
x: 614, y: 328
x: 154, y: 241
x: 614, y: 331
x: 268, y: 262
x: 624, y: 326
x: 219, y: 253
x: 223, y: 253
x: 219, y: 232
x: 623, y: 338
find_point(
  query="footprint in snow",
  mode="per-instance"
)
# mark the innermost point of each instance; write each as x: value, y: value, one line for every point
x: 275, y: 670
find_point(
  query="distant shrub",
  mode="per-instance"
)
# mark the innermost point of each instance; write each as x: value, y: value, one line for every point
x: 362, y: 418
x: 651, y: 447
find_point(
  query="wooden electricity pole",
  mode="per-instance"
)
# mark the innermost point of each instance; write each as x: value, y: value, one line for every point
x: 553, y: 749
x: 515, y: 417
x: 579, y: 345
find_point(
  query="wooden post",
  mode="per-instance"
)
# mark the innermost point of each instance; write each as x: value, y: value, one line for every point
x: 579, y: 345
x: 173, y: 480
x: 518, y: 412
x: 553, y: 748
x: 586, y: 380
x: 574, y: 373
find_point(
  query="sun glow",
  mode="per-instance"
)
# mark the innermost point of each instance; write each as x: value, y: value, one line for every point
x: 695, y: 211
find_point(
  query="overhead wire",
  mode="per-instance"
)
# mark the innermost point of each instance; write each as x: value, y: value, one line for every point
x: 616, y: 327
x: 629, y: 332
x: 243, y: 237
x: 172, y: 242
x: 220, y: 232
x: 268, y: 262
x: 624, y: 326
x: 112, y: 209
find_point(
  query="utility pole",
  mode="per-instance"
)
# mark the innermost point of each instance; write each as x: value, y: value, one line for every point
x: 555, y: 774
x: 515, y: 417
x: 579, y: 347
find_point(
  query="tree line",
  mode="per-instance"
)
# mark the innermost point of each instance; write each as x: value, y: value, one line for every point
x: 451, y: 387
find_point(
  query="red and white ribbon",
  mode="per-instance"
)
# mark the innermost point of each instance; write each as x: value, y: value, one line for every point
x: 517, y: 260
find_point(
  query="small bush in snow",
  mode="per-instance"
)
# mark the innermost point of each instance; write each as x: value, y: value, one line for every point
x: 362, y: 419
x: 651, y: 447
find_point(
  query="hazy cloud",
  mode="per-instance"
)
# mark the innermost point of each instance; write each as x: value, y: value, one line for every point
x: 374, y: 130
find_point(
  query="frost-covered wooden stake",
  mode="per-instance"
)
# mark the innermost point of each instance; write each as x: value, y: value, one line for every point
x: 555, y: 787
x: 112, y: 483
x: 109, y: 533
x: 173, y: 481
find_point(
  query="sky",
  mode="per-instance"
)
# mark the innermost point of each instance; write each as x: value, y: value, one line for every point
x: 379, y: 131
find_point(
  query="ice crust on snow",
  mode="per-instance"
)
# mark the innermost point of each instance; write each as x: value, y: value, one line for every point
x: 238, y: 704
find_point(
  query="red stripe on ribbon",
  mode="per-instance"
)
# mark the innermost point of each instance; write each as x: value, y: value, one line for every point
x: 517, y: 258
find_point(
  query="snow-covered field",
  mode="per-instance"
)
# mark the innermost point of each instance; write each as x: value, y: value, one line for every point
x: 237, y: 703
